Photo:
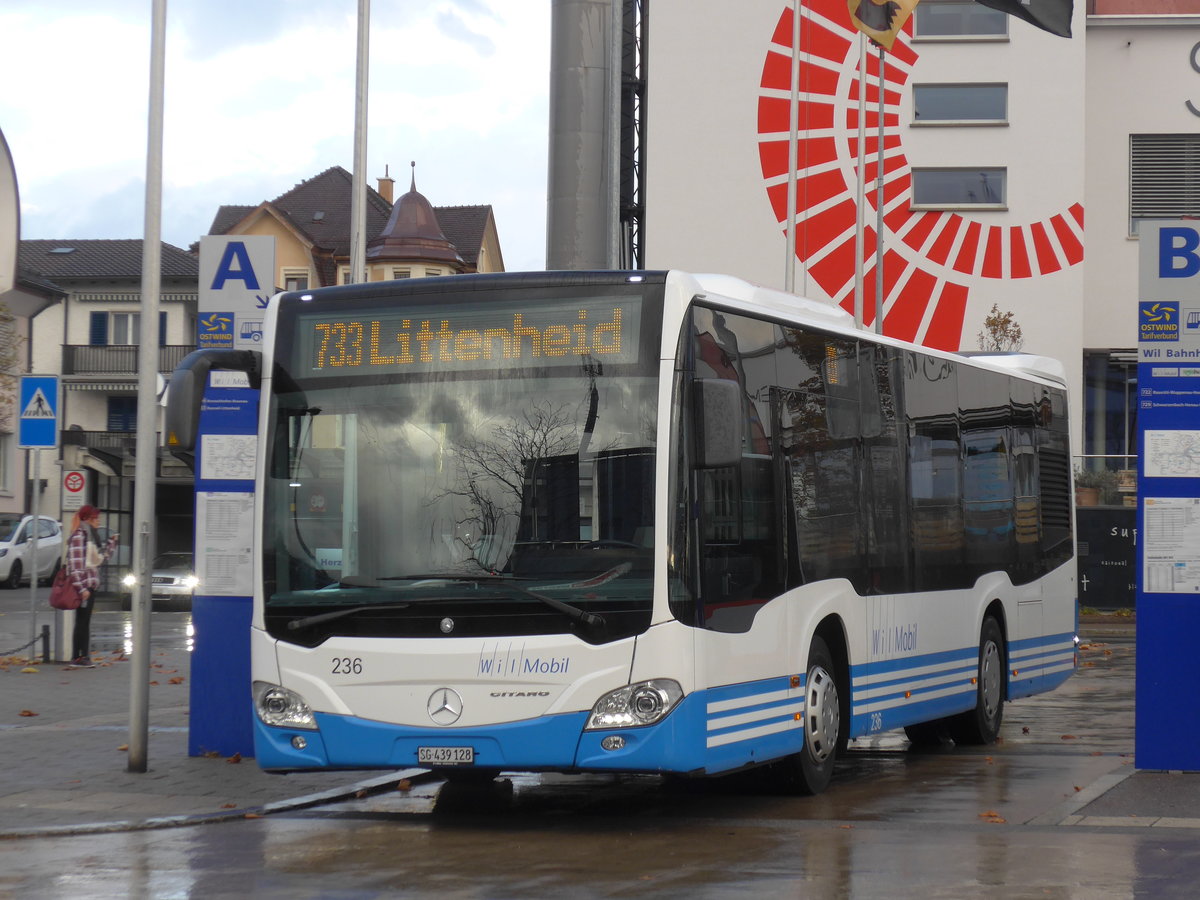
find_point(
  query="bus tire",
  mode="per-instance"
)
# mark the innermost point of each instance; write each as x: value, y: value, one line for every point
x: 809, y: 771
x: 981, y: 725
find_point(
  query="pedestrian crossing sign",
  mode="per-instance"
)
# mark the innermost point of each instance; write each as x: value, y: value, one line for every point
x: 38, y: 403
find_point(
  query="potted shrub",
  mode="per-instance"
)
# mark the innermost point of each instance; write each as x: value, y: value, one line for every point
x: 1093, y: 486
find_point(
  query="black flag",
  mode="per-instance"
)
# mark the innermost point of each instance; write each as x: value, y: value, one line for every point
x: 1053, y: 16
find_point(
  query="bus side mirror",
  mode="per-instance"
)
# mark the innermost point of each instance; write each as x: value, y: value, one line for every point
x: 719, y: 416
x: 186, y: 391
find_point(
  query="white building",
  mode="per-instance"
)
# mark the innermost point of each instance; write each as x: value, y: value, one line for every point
x: 998, y: 137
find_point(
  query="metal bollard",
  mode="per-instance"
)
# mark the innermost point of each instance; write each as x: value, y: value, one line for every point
x: 45, y: 644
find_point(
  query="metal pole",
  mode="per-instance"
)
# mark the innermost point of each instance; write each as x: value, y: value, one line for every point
x: 146, y: 446
x: 32, y: 535
x: 862, y: 177
x: 879, y: 209
x: 789, y: 272
x: 358, y: 189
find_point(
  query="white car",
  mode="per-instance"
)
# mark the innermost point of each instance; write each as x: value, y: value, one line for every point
x: 16, y: 548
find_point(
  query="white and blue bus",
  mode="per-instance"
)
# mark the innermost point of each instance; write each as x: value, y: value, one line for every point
x: 641, y: 522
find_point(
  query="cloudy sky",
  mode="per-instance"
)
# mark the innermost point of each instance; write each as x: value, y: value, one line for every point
x: 260, y: 96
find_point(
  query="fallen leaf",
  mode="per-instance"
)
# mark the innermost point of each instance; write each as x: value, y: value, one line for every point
x: 1025, y: 729
x: 228, y: 806
x: 253, y: 815
x: 359, y: 795
x: 211, y: 754
x: 404, y: 785
x: 29, y: 670
x: 235, y: 759
x: 154, y: 683
x: 1078, y: 788
x: 28, y: 712
x: 123, y: 748
x: 1069, y: 737
x: 178, y: 679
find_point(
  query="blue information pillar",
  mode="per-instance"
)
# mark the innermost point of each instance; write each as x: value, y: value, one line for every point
x: 1167, y: 713
x: 221, y: 702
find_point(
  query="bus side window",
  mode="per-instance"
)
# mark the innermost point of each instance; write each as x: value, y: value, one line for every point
x: 740, y: 566
x: 822, y: 441
x: 935, y: 472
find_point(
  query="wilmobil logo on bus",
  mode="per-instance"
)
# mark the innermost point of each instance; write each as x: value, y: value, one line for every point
x: 503, y: 666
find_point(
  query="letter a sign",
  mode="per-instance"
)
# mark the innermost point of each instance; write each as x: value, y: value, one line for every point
x: 237, y: 279
x: 38, y: 403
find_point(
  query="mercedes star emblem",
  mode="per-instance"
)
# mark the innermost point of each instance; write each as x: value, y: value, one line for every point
x: 445, y: 706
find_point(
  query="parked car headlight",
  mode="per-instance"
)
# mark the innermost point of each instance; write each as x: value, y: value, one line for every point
x: 634, y: 705
x: 189, y: 582
x: 129, y: 580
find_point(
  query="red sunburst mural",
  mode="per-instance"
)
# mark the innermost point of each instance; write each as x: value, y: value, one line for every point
x: 931, y: 259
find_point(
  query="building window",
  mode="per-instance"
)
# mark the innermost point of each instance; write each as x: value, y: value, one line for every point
x: 1164, y: 177
x: 956, y: 104
x: 429, y: 273
x: 1110, y: 407
x: 295, y: 279
x: 121, y: 328
x: 122, y: 414
x: 954, y: 19
x: 956, y: 188
x: 401, y: 273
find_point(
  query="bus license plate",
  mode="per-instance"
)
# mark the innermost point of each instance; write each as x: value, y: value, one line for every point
x: 445, y: 756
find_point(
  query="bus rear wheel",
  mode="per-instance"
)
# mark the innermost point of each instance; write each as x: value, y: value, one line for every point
x: 809, y: 771
x: 981, y: 725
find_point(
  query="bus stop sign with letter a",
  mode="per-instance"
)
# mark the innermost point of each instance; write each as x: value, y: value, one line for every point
x: 1167, y: 731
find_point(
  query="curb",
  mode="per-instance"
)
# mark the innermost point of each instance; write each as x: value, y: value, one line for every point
x: 375, y: 785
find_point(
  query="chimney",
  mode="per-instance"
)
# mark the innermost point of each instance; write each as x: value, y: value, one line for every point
x: 386, y: 185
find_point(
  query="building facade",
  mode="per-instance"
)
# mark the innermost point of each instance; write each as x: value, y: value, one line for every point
x: 1016, y: 166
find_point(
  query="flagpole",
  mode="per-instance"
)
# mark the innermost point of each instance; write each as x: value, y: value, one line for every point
x: 879, y: 207
x: 789, y: 272
x: 860, y: 196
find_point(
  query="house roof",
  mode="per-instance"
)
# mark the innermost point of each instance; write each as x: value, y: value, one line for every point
x: 320, y: 208
x: 65, y: 259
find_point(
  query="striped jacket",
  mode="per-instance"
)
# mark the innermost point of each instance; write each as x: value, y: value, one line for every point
x: 83, y: 558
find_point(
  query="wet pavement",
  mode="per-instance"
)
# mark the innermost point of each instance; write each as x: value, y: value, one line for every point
x: 1055, y: 809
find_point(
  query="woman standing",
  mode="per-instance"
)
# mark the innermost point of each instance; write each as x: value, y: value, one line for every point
x: 84, y: 557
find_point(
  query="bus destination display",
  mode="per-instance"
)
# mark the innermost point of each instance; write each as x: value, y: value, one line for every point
x: 451, y: 338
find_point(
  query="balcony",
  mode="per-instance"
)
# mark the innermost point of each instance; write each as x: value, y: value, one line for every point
x: 117, y: 359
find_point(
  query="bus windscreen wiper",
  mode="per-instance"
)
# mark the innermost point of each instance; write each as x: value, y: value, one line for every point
x: 319, y: 618
x: 574, y: 613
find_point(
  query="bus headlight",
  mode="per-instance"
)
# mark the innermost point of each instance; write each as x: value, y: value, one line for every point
x: 282, y: 708
x: 634, y: 705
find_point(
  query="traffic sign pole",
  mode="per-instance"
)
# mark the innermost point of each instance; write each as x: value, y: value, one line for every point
x: 32, y: 534
x: 37, y: 431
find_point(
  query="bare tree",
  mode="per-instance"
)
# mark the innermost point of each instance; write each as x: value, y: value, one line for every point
x: 1000, y: 333
x: 10, y: 359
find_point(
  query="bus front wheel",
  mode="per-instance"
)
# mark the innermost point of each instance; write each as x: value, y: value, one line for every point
x: 981, y: 725
x: 809, y: 771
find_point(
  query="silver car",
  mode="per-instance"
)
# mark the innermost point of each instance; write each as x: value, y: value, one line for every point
x: 16, y: 548
x: 172, y: 582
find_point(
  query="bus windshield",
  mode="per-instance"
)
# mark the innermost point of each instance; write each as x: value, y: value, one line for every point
x: 458, y: 500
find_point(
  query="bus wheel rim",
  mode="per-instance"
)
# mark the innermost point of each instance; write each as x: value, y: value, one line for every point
x: 990, y: 679
x: 822, y: 715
